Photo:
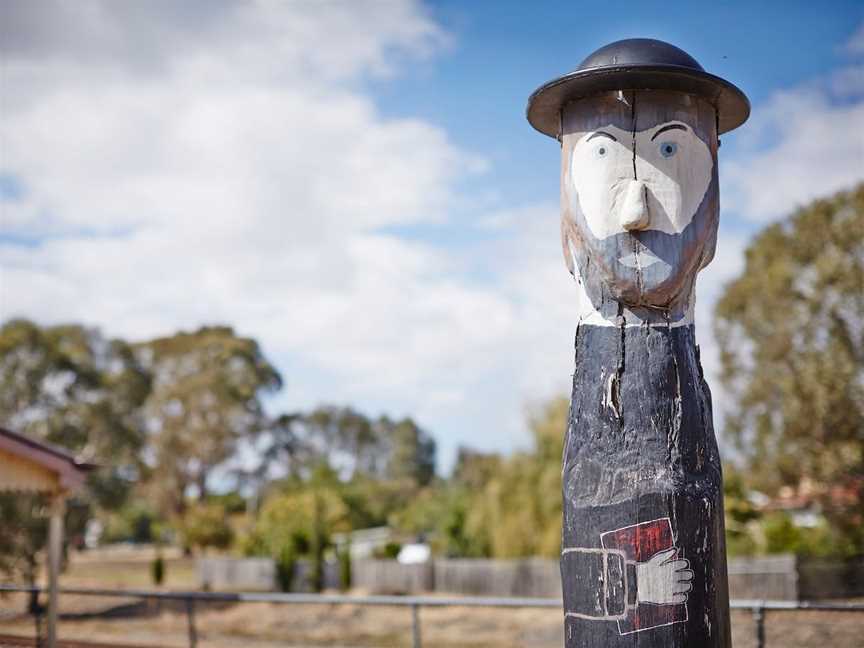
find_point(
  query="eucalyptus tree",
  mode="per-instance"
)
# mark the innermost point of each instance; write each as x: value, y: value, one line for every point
x: 351, y: 443
x: 70, y: 386
x: 791, y: 333
x: 206, y: 399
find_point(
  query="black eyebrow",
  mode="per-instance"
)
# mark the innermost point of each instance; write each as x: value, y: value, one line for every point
x: 602, y: 134
x: 668, y: 127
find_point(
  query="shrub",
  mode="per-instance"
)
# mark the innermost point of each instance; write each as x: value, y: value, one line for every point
x: 157, y: 570
x: 285, y: 562
x: 345, y: 568
x: 206, y: 526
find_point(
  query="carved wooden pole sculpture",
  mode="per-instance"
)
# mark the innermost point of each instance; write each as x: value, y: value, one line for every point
x: 643, y: 560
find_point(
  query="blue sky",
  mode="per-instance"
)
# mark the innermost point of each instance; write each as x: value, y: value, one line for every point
x: 355, y: 185
x: 501, y: 51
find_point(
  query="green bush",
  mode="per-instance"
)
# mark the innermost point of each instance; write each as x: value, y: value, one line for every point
x: 344, y: 556
x: 285, y: 562
x: 206, y: 525
x: 388, y: 551
x: 781, y: 534
x: 132, y: 523
x: 157, y: 570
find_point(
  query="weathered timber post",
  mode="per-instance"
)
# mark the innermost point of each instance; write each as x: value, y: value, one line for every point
x: 55, y: 557
x: 643, y: 560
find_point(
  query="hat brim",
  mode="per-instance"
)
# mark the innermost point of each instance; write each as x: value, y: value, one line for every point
x: 545, y: 104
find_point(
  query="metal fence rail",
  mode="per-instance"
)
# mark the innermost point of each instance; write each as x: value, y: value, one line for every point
x: 758, y: 608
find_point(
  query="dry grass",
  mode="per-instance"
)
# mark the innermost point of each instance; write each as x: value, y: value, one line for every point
x: 344, y: 626
x: 127, y: 568
x: 264, y: 625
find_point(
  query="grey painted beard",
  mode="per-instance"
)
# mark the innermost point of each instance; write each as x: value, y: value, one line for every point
x: 648, y: 268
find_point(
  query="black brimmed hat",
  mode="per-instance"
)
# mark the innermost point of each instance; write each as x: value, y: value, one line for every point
x: 636, y: 64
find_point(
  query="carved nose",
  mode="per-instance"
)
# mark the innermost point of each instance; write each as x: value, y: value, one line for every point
x: 634, y: 213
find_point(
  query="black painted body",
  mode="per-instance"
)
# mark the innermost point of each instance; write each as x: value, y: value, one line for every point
x: 640, y: 446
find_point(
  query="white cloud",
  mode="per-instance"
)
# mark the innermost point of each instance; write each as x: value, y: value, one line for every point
x: 189, y: 163
x: 805, y: 143
x: 727, y: 265
x: 262, y: 39
x: 240, y: 175
x: 855, y: 44
x: 848, y: 82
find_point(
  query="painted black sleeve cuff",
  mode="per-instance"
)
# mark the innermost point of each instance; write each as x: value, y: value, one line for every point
x: 596, y: 583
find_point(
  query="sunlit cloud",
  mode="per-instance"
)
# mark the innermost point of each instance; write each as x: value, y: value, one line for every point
x: 166, y: 166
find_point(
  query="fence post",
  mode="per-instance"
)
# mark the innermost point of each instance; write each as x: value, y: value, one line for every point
x: 55, y: 557
x: 35, y: 608
x: 759, y: 620
x: 415, y: 625
x: 190, y: 616
x: 643, y: 542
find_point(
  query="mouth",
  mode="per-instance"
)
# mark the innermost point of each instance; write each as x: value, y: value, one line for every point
x: 640, y: 259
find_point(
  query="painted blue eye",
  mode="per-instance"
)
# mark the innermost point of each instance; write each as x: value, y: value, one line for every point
x: 668, y: 149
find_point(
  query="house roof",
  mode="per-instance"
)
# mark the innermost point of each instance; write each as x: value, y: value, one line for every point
x: 35, y: 465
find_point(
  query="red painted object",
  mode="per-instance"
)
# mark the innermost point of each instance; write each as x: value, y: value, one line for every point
x: 640, y: 542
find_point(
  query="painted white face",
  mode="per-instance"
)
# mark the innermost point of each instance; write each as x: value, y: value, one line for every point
x: 659, y: 189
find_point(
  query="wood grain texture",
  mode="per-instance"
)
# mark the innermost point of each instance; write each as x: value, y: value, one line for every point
x: 646, y: 453
x: 663, y: 291
x: 643, y: 558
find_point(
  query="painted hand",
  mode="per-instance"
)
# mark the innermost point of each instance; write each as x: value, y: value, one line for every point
x: 663, y: 579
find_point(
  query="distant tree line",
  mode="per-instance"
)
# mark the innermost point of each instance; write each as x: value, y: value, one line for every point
x: 162, y: 417
x: 791, y: 335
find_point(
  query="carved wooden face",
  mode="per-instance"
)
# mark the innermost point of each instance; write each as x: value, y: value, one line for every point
x: 654, y: 179
x: 639, y: 194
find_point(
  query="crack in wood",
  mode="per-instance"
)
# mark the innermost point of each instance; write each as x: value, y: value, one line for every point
x: 640, y: 442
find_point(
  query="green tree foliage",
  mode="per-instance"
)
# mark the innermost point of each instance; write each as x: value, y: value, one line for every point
x: 205, y: 399
x: 157, y: 570
x: 499, y: 507
x: 390, y: 551
x: 232, y: 501
x: 741, y: 514
x: 69, y: 386
x: 282, y: 449
x: 372, y: 466
x: 300, y: 521
x: 344, y: 557
x: 409, y: 451
x: 372, y: 501
x: 446, y: 514
x: 778, y: 533
x: 207, y: 525
x: 352, y: 444
x: 286, y: 560
x: 343, y: 439
x: 134, y: 522
x: 23, y: 531
x: 791, y: 332
x: 167, y: 412
x: 475, y: 469
x: 526, y: 492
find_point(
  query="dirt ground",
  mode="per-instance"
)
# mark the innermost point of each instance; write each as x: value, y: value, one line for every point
x: 265, y: 625
x: 127, y: 568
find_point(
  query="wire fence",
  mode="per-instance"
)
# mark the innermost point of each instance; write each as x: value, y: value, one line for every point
x: 758, y: 608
